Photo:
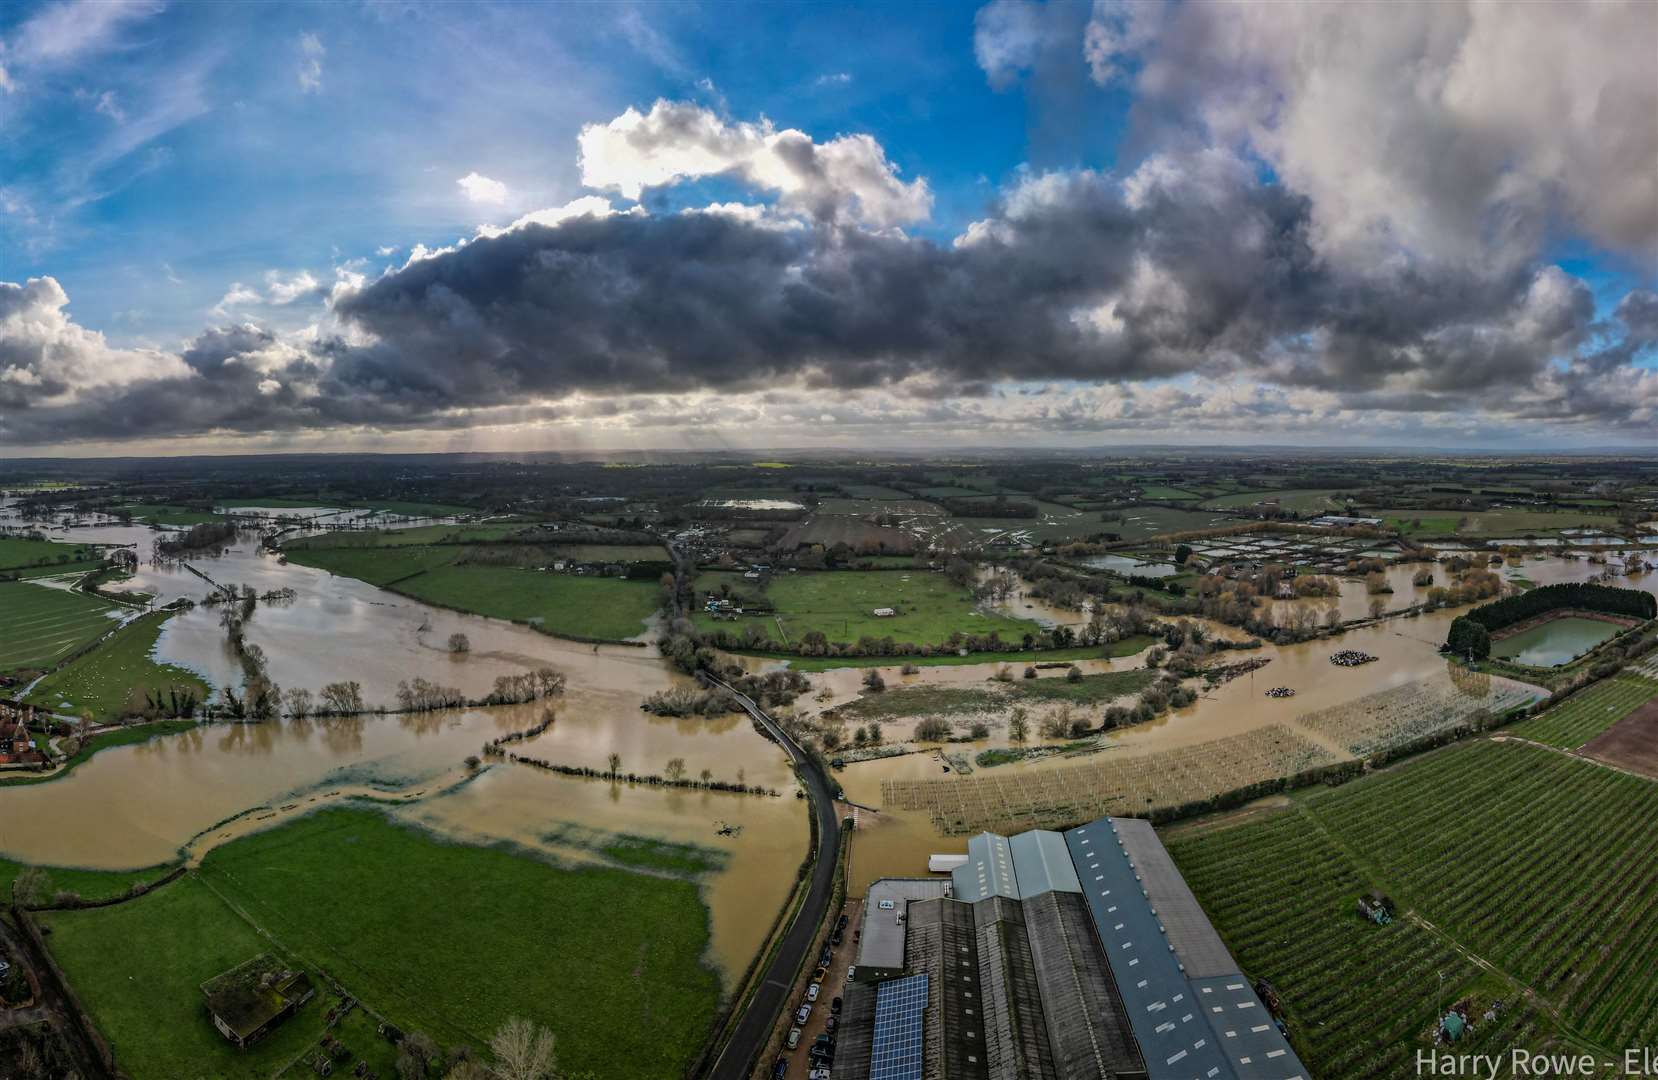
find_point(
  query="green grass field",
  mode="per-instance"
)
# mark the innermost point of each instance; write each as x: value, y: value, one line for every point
x: 1589, y: 712
x: 169, y: 514
x: 1164, y: 493
x: 1488, y: 522
x: 413, y: 508
x: 1316, y: 501
x: 103, y: 681
x: 103, y: 740
x: 40, y: 626
x: 911, y: 701
x: 1143, y: 522
x: 841, y: 604
x: 87, y: 884
x: 17, y: 553
x: 591, y: 607
x: 375, y: 565
x: 414, y: 536
x: 1537, y: 863
x: 440, y: 937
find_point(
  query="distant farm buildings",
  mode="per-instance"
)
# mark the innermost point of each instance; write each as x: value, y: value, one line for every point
x: 884, y: 612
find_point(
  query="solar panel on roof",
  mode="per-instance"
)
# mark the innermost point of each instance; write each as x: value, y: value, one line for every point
x: 895, y: 1052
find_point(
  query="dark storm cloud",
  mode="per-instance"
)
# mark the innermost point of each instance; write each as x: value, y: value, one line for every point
x: 1192, y: 266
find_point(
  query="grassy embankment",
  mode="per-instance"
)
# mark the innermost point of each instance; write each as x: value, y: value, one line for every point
x: 106, y: 681
x: 440, y: 937
x: 1488, y: 522
x: 39, y: 626
x: 1487, y: 850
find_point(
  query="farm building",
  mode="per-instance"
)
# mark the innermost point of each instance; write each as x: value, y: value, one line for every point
x: 1075, y: 954
x: 255, y: 996
x: 17, y: 743
x: 884, y: 612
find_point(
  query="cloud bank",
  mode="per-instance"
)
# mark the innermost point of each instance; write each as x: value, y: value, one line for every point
x: 1329, y: 228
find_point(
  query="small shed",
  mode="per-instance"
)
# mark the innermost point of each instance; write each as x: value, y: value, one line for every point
x: 255, y: 996
x: 884, y: 613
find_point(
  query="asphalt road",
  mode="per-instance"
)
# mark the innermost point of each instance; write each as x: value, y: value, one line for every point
x: 800, y: 942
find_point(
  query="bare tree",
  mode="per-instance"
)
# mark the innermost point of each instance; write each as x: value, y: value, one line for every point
x: 523, y: 1051
x: 615, y: 764
x: 459, y: 643
x: 675, y: 769
x: 29, y: 886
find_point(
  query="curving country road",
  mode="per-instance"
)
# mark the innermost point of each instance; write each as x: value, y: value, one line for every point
x: 753, y: 1030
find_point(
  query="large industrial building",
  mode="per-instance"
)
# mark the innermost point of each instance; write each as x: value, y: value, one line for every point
x: 1053, y: 956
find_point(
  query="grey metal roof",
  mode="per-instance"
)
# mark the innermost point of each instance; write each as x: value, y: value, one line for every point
x: 881, y: 944
x: 988, y: 870
x: 1181, y: 1035
x: 1042, y: 864
x: 1190, y: 931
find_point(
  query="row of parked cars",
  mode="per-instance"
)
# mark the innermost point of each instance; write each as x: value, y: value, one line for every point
x: 821, y: 1053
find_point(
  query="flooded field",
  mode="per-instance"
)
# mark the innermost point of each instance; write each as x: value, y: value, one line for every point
x: 140, y: 805
x: 897, y: 842
x: 1122, y: 564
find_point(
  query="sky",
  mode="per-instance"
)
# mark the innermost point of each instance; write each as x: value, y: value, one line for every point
x: 398, y: 226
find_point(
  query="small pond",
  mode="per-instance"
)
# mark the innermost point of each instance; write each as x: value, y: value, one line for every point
x: 1558, y: 641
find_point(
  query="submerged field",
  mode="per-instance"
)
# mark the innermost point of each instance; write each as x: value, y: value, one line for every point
x: 40, y: 626
x: 439, y: 937
x: 1521, y: 874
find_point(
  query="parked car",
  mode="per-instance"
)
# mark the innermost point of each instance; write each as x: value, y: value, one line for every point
x: 831, y: 1024
x: 842, y: 924
x: 835, y: 1006
x: 818, y: 1074
x: 811, y: 992
x: 780, y: 1068
x: 802, y: 1013
x: 836, y: 940
x: 819, y: 975
x: 825, y: 956
x: 794, y: 1037
x: 823, y: 1040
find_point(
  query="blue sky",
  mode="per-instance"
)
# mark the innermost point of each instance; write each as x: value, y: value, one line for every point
x: 1096, y: 221
x: 220, y: 165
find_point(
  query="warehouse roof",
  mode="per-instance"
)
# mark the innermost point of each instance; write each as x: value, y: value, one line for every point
x: 1042, y: 864
x: 1212, y: 1026
x: 881, y: 946
x: 1190, y: 931
x: 988, y: 870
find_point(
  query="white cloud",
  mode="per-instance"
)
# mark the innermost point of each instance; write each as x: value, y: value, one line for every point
x: 847, y: 178
x: 61, y: 32
x: 6, y: 83
x: 834, y: 78
x: 311, y: 52
x: 108, y: 106
x: 387, y: 250
x: 238, y: 296
x: 1454, y: 131
x: 282, y: 291
x: 481, y: 189
x: 586, y: 206
x: 46, y: 358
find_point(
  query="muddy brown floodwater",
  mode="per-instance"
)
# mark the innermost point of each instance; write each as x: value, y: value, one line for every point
x: 137, y: 806
x: 897, y: 842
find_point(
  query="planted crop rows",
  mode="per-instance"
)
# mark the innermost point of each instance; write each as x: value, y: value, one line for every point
x: 1392, y: 718
x: 1589, y: 712
x: 1359, y: 999
x: 1064, y: 795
